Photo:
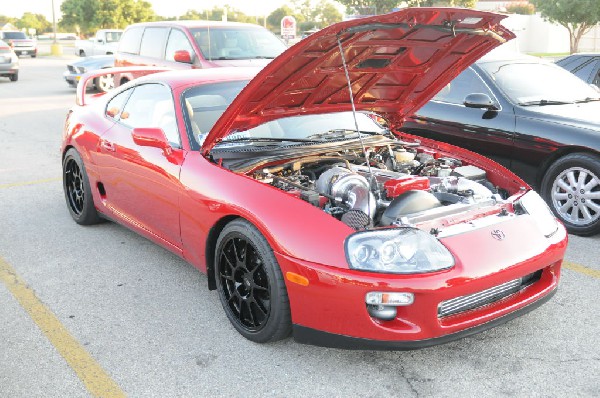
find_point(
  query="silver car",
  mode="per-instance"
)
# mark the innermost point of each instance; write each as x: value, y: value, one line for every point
x: 9, y: 62
x: 77, y: 68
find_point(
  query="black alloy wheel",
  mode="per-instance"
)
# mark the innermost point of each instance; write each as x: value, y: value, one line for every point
x: 78, y: 193
x: 250, y: 284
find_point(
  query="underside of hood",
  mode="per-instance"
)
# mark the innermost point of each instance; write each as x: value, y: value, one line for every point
x: 396, y: 62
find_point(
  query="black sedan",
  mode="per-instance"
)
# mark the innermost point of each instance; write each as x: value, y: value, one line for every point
x: 533, y: 117
x: 584, y: 66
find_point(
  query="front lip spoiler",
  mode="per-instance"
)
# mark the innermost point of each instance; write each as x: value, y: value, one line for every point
x: 305, y: 335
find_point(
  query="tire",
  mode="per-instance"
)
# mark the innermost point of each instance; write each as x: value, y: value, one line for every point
x: 33, y: 55
x: 571, y: 187
x: 78, y: 193
x: 250, y: 284
x: 81, y: 53
x: 14, y: 77
x: 104, y: 83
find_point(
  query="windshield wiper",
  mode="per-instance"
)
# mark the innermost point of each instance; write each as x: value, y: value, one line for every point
x: 343, y: 133
x: 545, y: 102
x: 266, y: 139
x: 263, y: 57
x: 588, y: 99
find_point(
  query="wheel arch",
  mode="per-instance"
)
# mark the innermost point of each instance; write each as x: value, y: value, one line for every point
x: 211, y: 244
x: 556, y: 155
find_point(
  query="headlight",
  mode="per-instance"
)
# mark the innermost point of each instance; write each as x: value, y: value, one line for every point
x: 534, y: 205
x: 80, y: 69
x: 397, y: 251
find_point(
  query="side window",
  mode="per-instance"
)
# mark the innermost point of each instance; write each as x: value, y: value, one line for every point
x: 130, y: 41
x: 468, y: 82
x: 205, y: 104
x: 116, y: 104
x: 151, y: 105
x: 177, y: 42
x: 153, y: 42
x: 585, y: 70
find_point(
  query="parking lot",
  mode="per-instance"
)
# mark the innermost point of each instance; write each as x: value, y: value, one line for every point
x: 100, y: 311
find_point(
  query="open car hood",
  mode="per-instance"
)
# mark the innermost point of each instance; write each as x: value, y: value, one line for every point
x: 396, y: 62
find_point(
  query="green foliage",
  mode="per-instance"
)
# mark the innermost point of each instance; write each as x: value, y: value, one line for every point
x: 578, y: 16
x: 522, y: 8
x: 369, y: 7
x: 315, y: 14
x: 87, y: 16
x: 34, y: 21
x: 438, y: 3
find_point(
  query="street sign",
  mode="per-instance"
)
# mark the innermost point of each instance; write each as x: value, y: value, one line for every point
x: 288, y: 27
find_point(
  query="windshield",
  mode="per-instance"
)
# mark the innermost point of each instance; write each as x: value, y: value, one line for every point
x: 219, y: 43
x: 113, y: 37
x: 14, y: 35
x: 323, y: 127
x: 538, y: 83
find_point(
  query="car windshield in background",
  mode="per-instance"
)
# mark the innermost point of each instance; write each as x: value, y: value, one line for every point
x: 539, y: 84
x: 113, y: 37
x: 237, y: 43
x: 14, y: 36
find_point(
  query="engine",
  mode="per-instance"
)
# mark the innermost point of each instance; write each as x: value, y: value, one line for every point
x: 396, y: 187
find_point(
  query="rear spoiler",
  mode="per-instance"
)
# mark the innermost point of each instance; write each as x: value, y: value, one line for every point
x: 138, y: 70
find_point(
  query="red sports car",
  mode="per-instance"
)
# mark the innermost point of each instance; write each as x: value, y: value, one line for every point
x: 307, y: 210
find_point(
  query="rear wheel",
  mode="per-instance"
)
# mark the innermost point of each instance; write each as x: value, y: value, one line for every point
x: 571, y: 187
x: 78, y: 193
x: 14, y: 77
x: 250, y: 284
x: 81, y: 53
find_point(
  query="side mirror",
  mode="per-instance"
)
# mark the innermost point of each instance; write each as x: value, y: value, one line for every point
x: 480, y: 100
x: 182, y: 56
x: 150, y: 136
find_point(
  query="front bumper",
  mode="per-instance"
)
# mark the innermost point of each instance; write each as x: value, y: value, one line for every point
x: 306, y: 335
x: 71, y: 78
x: 331, y: 310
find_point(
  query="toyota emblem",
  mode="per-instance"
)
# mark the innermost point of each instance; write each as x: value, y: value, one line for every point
x: 498, y: 234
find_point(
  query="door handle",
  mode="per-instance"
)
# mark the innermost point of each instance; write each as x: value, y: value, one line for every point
x: 109, y: 146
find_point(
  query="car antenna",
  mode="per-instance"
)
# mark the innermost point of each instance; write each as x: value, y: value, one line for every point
x: 362, y: 144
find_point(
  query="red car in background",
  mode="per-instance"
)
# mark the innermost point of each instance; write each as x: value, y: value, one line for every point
x: 307, y: 209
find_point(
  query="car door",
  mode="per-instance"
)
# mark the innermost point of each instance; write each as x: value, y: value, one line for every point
x: 446, y: 118
x: 141, y: 183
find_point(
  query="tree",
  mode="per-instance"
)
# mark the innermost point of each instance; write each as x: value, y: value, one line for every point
x: 370, y: 7
x: 34, y: 21
x: 87, y: 16
x: 447, y: 3
x: 578, y: 16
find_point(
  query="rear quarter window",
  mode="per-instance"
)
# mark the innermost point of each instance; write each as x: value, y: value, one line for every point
x: 130, y: 41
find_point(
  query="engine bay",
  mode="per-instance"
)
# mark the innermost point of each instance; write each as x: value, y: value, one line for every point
x: 400, y: 184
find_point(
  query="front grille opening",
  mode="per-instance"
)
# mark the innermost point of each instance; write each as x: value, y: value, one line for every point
x: 485, y: 297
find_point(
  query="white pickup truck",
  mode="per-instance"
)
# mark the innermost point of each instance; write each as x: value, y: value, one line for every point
x: 104, y: 42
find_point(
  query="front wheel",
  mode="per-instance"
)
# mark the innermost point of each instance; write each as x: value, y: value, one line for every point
x: 104, y: 83
x: 250, y: 284
x: 571, y: 187
x: 78, y: 193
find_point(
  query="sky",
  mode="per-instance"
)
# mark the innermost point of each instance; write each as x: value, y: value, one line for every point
x: 166, y: 8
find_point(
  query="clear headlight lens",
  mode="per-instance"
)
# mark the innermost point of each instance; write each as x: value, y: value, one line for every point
x: 397, y: 251
x: 80, y: 69
x: 535, y: 206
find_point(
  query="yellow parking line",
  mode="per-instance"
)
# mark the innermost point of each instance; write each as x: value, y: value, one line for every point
x: 594, y: 273
x: 95, y: 379
x: 23, y: 183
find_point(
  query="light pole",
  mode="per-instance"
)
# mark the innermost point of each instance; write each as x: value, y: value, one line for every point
x: 55, y: 48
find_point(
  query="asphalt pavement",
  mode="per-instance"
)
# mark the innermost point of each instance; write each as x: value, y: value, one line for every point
x: 101, y: 311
